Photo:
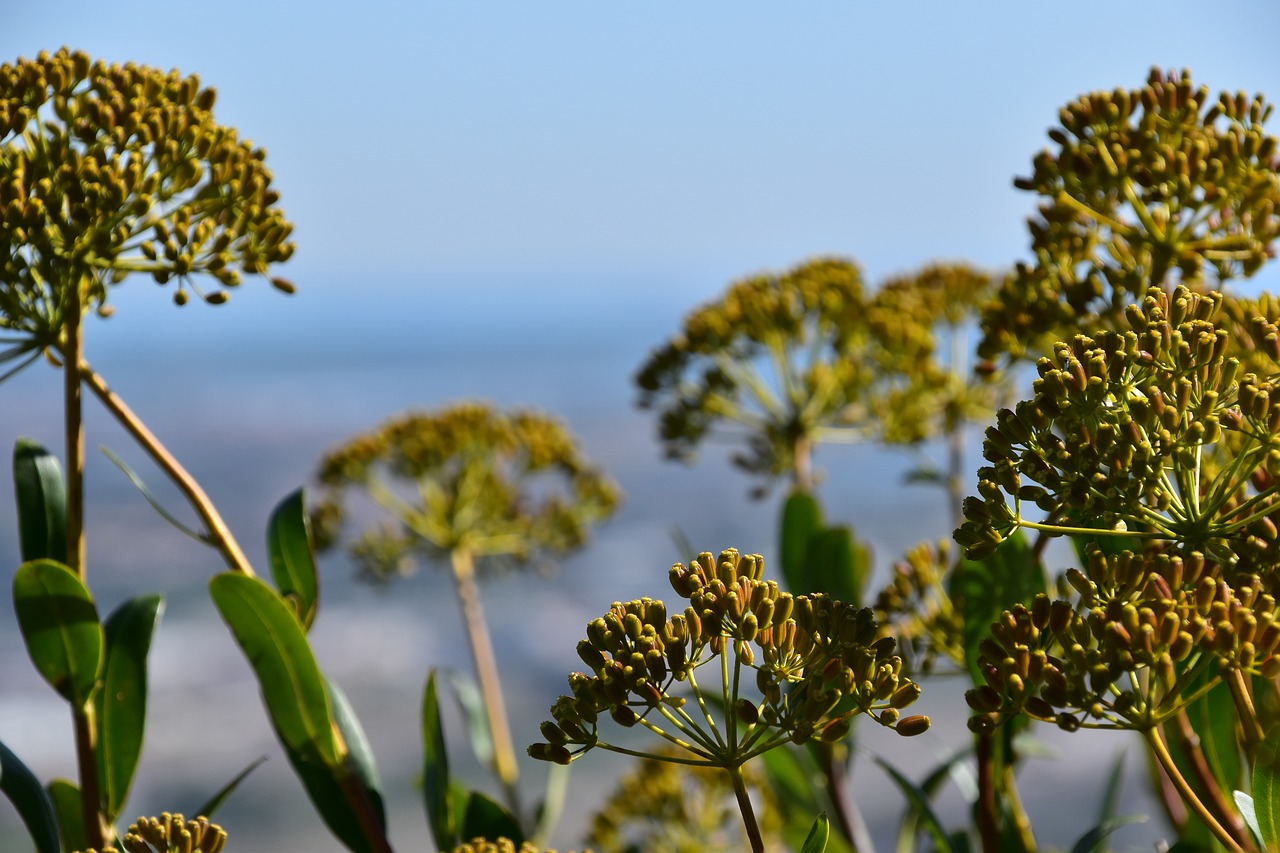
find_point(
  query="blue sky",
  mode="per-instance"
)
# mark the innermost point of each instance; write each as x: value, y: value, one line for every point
x: 628, y: 150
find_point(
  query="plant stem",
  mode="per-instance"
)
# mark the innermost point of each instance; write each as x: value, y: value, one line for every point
x: 984, y: 808
x: 848, y: 819
x: 1188, y: 795
x: 219, y: 535
x: 744, y: 806
x: 1218, y: 799
x: 72, y: 349
x: 504, y: 757
x: 90, y: 785
x: 373, y: 831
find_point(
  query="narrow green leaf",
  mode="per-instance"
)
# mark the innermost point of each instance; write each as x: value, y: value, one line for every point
x: 42, y: 502
x: 1266, y: 787
x: 552, y: 805
x: 293, y: 562
x: 435, y: 771
x: 1244, y: 803
x: 816, y: 840
x: 65, y: 797
x: 484, y: 818
x: 339, y: 804
x: 35, y: 808
x: 799, y: 794
x: 951, y: 769
x: 920, y: 801
x: 121, y: 704
x: 215, y: 802
x: 473, y: 711
x: 801, y: 518
x: 983, y: 589
x: 60, y: 627
x: 141, y: 486
x: 1095, y: 839
x: 276, y: 645
x: 359, y: 755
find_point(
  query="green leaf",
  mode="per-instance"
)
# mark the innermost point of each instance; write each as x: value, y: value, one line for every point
x: 1244, y: 803
x: 552, y: 805
x: 60, y: 627
x: 920, y: 802
x: 983, y: 589
x: 801, y: 519
x: 836, y: 565
x: 276, y: 645
x: 484, y: 818
x: 342, y: 794
x: 65, y: 797
x: 816, y: 840
x: 42, y: 502
x: 435, y: 771
x: 293, y: 562
x: 35, y: 808
x: 1095, y: 839
x: 215, y: 802
x: 151, y: 499
x: 121, y: 704
x: 799, y: 795
x: 1266, y: 786
x: 473, y: 711
x: 951, y: 769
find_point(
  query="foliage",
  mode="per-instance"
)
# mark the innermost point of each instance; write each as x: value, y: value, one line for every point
x: 1148, y: 436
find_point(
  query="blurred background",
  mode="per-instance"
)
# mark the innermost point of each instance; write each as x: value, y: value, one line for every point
x: 515, y: 202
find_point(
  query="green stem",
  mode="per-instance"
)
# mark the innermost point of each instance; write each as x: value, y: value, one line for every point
x: 1161, y: 752
x: 985, y: 807
x: 86, y: 734
x: 744, y: 806
x: 72, y: 350
x: 504, y: 756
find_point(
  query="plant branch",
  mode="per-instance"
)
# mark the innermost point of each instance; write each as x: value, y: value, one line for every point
x: 504, y: 756
x: 1161, y: 752
x: 744, y: 806
x: 72, y: 349
x: 219, y: 535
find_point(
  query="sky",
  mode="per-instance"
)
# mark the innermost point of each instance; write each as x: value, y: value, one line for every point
x: 504, y: 177
x: 618, y: 153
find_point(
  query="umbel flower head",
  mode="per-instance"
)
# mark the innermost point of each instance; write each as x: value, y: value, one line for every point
x: 171, y: 833
x: 918, y: 324
x: 1140, y: 637
x: 1157, y: 185
x: 490, y: 483
x: 782, y: 362
x: 108, y: 170
x: 814, y: 663
x: 764, y: 364
x: 1150, y: 433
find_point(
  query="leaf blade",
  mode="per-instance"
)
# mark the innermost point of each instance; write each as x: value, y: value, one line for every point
x: 816, y: 840
x: 121, y: 704
x: 1266, y: 786
x: 41, y: 502
x: 273, y: 640
x: 59, y: 624
x: 293, y: 562
x: 435, y: 770
x: 30, y: 800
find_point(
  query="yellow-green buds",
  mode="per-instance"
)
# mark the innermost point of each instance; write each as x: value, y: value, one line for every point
x: 109, y: 170
x: 495, y: 484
